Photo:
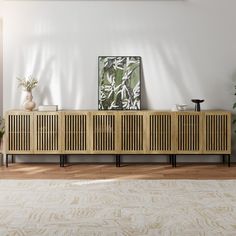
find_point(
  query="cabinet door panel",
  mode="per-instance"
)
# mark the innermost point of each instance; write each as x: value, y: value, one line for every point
x: 189, y: 132
x: 47, y: 132
x: 103, y: 132
x: 75, y: 132
x: 19, y: 133
x: 217, y: 133
x: 160, y: 133
x: 132, y: 133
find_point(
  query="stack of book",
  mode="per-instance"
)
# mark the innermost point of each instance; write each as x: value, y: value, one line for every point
x: 48, y: 108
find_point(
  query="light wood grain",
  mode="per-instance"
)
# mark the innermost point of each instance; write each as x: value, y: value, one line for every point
x: 160, y: 135
x: 217, y: 132
x: 75, y: 132
x: 19, y: 132
x: 188, y: 132
x: 118, y: 132
x: 127, y: 171
x: 102, y: 132
x: 47, y: 132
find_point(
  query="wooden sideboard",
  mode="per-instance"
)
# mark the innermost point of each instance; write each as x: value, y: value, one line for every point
x: 118, y: 132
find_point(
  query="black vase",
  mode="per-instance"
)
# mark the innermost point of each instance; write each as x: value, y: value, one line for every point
x: 197, y: 104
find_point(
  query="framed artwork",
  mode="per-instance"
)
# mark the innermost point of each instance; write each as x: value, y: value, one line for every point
x: 119, y: 86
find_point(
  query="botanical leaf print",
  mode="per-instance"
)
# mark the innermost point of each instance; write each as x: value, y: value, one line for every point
x: 119, y: 83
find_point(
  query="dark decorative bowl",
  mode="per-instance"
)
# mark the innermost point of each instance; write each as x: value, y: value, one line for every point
x: 197, y: 100
x: 197, y: 104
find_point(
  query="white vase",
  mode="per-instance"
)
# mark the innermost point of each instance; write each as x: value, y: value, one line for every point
x: 29, y: 104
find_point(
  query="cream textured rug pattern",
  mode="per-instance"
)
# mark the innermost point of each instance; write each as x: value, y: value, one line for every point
x: 113, y: 207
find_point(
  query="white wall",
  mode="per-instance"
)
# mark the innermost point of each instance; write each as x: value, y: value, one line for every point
x: 1, y: 59
x: 1, y: 69
x: 188, y: 49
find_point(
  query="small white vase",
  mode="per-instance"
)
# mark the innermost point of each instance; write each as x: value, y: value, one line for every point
x: 29, y: 104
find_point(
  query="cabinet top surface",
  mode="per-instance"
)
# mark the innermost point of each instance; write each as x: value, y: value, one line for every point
x: 114, y: 111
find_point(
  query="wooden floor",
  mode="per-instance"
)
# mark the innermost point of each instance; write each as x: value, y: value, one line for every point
x: 109, y: 171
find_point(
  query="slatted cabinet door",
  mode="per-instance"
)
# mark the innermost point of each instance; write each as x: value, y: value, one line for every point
x: 75, y: 128
x: 103, y: 132
x: 160, y: 133
x: 217, y: 132
x: 132, y: 132
x: 188, y: 126
x: 19, y: 132
x: 47, y: 132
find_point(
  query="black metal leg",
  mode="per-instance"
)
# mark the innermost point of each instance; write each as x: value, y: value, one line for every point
x: 223, y: 159
x: 173, y: 157
x: 119, y: 160
x: 175, y: 160
x: 228, y: 160
x: 63, y: 160
x: 6, y: 160
x: 60, y: 160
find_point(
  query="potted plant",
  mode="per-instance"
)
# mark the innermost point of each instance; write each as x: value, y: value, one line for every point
x: 28, y: 84
x: 2, y: 131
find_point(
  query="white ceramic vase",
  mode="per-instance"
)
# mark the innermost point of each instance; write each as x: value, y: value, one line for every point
x: 29, y: 104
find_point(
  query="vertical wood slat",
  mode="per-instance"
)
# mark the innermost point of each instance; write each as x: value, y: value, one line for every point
x: 22, y: 132
x: 108, y: 134
x: 94, y: 133
x: 13, y: 132
x: 79, y: 133
x: 99, y: 130
x: 15, y: 129
x: 82, y: 125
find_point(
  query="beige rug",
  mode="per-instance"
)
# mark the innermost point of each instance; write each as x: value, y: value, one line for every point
x: 112, y: 207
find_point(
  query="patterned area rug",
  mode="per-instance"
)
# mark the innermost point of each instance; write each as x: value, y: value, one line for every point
x: 113, y: 207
